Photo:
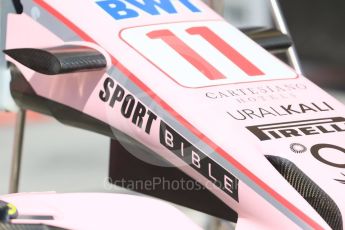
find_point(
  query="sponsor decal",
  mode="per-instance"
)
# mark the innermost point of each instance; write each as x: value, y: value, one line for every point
x: 325, y: 153
x: 259, y: 93
x: 316, y: 152
x: 126, y: 9
x: 199, y: 161
x: 298, y: 128
x: 279, y: 111
x: 140, y: 116
x: 131, y: 108
x: 298, y: 148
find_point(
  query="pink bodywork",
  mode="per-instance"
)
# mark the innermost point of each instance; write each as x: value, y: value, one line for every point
x: 203, y: 109
x: 99, y: 211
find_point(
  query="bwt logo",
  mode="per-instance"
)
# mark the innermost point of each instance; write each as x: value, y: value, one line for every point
x: 124, y: 9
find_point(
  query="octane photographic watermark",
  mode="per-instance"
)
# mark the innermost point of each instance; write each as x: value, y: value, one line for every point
x: 160, y: 183
x: 155, y: 183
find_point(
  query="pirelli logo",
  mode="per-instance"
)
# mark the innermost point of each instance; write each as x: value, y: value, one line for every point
x: 298, y: 128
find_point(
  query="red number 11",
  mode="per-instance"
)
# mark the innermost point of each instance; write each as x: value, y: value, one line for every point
x: 199, y: 62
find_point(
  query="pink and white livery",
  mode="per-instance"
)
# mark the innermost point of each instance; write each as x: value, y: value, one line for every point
x: 176, y: 78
